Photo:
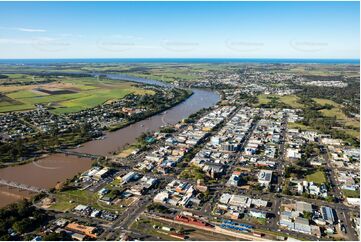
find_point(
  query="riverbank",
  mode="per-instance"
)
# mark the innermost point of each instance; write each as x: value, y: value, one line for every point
x: 47, y: 170
x: 43, y: 173
x: 182, y: 99
x: 115, y: 141
x: 44, y: 144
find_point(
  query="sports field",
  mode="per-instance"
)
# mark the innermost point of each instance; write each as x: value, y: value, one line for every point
x: 66, y: 94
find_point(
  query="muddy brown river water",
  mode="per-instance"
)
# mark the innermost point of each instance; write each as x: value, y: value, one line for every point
x: 46, y: 172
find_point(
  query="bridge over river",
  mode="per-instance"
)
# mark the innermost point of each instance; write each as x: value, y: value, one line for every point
x: 79, y: 154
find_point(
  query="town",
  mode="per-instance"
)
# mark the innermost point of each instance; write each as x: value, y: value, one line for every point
x: 40, y: 130
x: 257, y: 157
x: 239, y: 171
x: 180, y: 120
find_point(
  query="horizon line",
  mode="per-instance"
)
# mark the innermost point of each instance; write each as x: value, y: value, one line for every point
x: 205, y: 58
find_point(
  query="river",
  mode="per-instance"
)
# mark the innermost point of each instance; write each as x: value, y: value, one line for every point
x: 46, y: 172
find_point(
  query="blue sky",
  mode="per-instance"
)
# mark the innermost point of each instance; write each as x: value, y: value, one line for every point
x: 179, y: 29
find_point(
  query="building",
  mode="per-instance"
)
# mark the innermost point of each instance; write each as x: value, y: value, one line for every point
x: 80, y: 208
x: 328, y: 214
x: 234, y: 180
x: 82, y: 229
x: 229, y: 146
x: 101, y: 174
x: 302, y: 225
x: 225, y: 198
x: 240, y: 201
x: 161, y: 197
x: 215, y: 140
x: 303, y: 207
x: 258, y: 214
x: 265, y: 177
x: 259, y: 203
x: 129, y: 176
x: 286, y: 222
x: 317, y: 190
x: 293, y: 154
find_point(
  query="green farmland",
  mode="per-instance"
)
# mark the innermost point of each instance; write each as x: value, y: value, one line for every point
x: 72, y: 94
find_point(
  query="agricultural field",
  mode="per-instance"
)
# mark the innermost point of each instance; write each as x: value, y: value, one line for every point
x: 167, y: 73
x: 66, y: 94
x: 19, y: 78
x: 324, y: 70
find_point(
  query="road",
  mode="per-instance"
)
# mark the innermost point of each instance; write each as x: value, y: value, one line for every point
x: 124, y: 221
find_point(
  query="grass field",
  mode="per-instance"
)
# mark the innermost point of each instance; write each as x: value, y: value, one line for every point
x: 337, y: 112
x: 263, y: 99
x: 291, y: 100
x: 351, y: 194
x: 87, y: 93
x: 317, y: 177
x: 352, y: 126
x: 68, y: 200
x: 300, y: 126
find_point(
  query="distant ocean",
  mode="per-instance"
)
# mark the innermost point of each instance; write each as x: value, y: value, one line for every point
x: 179, y: 60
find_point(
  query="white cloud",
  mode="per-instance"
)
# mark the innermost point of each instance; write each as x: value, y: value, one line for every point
x: 15, y: 41
x: 26, y: 41
x: 31, y: 30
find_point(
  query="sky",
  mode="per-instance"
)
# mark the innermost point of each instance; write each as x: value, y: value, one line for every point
x: 179, y: 30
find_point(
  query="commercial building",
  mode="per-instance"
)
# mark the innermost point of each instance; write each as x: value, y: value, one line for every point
x: 302, y: 225
x: 82, y: 229
x: 328, y: 214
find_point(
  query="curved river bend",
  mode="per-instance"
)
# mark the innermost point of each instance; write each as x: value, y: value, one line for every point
x: 46, y: 172
x: 116, y: 140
